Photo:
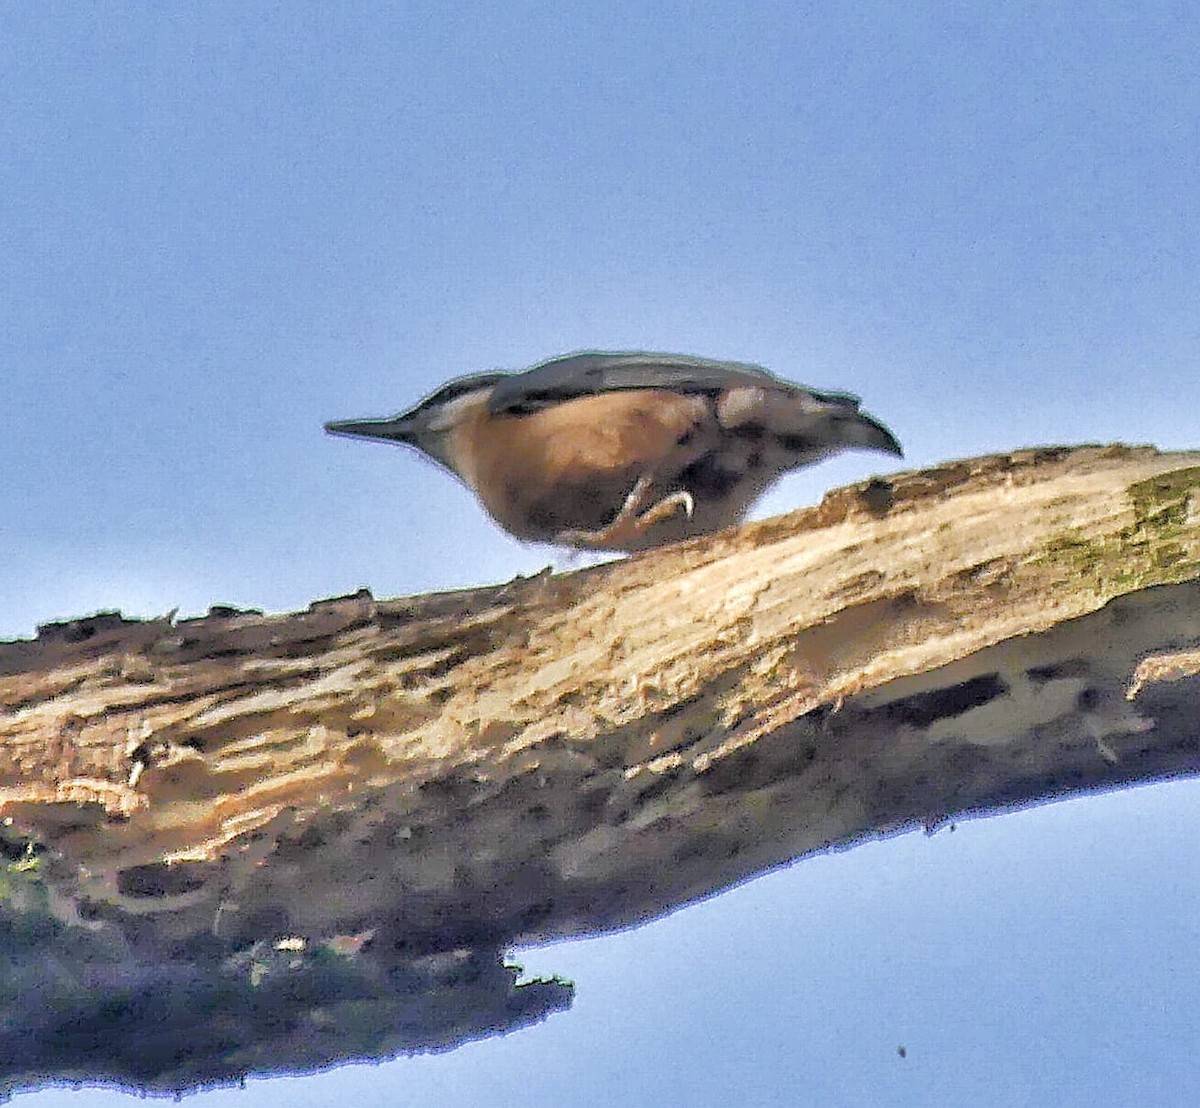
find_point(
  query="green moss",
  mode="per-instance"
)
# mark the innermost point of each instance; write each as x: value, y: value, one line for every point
x: 1161, y: 502
x: 1159, y: 547
x: 22, y: 890
x: 27, y: 864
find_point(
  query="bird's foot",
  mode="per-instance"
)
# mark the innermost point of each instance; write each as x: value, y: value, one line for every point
x: 666, y: 508
x: 627, y: 528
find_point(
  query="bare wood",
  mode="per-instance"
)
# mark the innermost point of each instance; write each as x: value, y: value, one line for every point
x: 567, y: 754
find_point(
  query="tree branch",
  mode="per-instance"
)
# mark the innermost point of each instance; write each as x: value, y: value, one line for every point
x: 282, y: 841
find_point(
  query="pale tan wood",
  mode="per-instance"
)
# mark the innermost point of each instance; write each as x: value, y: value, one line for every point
x: 441, y: 777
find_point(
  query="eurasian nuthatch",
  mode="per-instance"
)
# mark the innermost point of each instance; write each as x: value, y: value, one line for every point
x: 625, y: 451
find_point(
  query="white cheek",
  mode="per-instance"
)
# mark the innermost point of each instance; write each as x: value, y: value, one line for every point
x: 458, y: 411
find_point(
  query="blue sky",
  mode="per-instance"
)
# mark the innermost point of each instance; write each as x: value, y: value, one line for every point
x: 222, y: 224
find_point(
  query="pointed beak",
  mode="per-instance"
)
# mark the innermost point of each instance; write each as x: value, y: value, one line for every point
x: 398, y: 429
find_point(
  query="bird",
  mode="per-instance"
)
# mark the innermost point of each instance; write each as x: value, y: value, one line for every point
x: 625, y: 450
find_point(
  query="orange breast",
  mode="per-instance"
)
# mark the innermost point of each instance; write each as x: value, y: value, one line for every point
x: 572, y: 464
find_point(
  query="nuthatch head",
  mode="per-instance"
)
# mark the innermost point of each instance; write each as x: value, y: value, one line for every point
x: 625, y: 451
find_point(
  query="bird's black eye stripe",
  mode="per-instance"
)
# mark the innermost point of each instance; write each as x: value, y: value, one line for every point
x: 526, y: 407
x: 460, y: 387
x: 524, y: 404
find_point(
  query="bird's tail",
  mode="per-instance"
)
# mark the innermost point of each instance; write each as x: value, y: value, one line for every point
x: 836, y: 420
x: 865, y: 431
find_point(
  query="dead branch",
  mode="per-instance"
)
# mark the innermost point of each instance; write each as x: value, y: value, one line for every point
x: 275, y: 842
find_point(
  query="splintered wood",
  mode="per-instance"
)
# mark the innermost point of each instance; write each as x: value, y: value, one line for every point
x: 566, y: 754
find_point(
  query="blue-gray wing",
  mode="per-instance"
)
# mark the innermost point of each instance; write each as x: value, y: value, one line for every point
x: 592, y: 372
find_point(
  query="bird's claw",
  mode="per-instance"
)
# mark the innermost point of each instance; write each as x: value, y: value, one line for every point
x: 666, y: 508
x: 632, y: 520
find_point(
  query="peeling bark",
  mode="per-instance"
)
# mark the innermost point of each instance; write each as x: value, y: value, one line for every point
x: 283, y: 841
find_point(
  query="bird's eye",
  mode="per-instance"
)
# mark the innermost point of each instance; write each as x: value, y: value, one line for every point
x: 523, y: 407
